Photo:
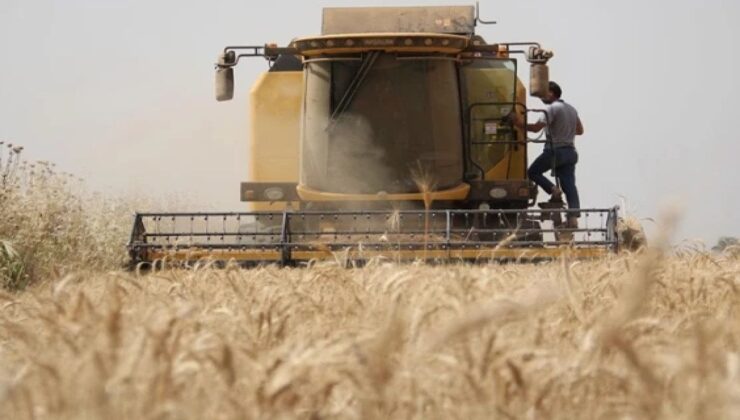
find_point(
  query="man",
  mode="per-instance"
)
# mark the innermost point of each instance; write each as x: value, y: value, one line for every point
x: 564, y: 126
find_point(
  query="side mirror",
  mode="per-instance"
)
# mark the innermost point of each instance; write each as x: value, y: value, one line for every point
x: 539, y: 79
x: 539, y: 73
x: 224, y: 83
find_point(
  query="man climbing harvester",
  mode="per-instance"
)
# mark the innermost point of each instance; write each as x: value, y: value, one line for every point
x: 560, y: 153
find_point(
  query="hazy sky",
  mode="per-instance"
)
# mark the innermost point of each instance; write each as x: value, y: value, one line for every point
x: 121, y: 93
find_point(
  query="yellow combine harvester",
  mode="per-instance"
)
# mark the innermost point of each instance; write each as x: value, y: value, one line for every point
x: 385, y: 136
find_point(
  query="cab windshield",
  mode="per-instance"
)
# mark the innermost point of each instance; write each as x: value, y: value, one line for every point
x: 371, y: 121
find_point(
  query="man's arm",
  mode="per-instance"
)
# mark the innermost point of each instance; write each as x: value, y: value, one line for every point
x: 519, y: 123
x: 579, y: 127
x: 538, y: 126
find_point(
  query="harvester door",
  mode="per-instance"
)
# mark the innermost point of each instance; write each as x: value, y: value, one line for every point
x: 490, y: 92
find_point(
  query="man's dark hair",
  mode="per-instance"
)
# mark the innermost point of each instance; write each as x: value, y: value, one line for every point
x: 555, y: 88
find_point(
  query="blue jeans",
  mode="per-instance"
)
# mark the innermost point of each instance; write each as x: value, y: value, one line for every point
x: 564, y: 169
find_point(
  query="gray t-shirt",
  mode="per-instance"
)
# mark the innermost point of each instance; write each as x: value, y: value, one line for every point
x: 563, y: 120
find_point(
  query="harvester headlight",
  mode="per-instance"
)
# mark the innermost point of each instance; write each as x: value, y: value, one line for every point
x: 498, y: 193
x: 274, y: 193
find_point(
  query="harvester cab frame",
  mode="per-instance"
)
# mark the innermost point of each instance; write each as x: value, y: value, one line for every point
x: 389, y: 135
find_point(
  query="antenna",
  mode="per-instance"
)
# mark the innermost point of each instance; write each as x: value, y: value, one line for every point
x: 477, y: 16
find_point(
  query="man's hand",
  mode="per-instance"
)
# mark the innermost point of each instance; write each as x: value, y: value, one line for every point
x: 514, y: 119
x: 518, y: 122
x: 509, y: 119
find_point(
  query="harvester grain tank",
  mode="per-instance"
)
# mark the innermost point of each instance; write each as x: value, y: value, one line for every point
x: 388, y: 135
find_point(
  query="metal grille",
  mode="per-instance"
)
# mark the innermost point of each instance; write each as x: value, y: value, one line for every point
x: 288, y: 233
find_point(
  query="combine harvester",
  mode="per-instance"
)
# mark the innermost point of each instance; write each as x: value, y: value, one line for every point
x: 389, y: 135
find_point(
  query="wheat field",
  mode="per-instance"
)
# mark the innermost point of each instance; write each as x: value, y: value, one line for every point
x: 654, y: 334
x: 623, y: 338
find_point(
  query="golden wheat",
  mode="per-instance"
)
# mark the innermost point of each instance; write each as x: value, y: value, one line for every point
x: 573, y: 340
x: 649, y: 335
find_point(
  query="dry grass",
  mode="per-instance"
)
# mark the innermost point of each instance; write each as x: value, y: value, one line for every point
x: 655, y: 337
x: 52, y: 224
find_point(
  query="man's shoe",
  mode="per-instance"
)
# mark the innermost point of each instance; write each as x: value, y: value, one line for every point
x: 572, y: 222
x: 557, y: 195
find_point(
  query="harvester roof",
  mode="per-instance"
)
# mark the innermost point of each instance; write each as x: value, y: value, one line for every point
x: 458, y: 20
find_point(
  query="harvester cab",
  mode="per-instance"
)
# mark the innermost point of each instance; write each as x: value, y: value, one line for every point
x: 389, y: 135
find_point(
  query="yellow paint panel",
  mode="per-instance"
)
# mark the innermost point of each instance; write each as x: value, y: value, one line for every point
x: 274, y: 116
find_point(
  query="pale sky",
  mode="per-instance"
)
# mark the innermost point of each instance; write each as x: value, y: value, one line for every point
x: 121, y: 93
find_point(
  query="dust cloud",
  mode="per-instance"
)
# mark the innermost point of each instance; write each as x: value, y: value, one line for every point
x: 356, y: 162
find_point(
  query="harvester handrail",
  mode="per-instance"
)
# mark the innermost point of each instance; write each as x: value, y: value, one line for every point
x: 208, y: 214
x: 369, y: 212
